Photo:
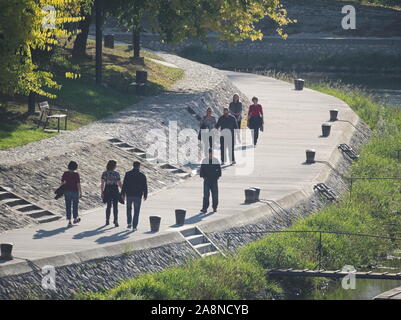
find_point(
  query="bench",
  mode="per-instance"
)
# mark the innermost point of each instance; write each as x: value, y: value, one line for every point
x: 47, y: 113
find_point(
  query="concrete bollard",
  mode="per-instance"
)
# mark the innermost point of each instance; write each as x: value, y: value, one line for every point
x: 155, y: 223
x: 333, y: 115
x: 180, y: 216
x: 250, y: 195
x: 326, y: 128
x: 310, y: 155
x: 257, y: 193
x: 109, y: 41
x: 6, y: 251
x: 299, y: 84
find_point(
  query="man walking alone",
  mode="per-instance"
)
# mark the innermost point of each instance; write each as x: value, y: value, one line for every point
x: 227, y: 124
x: 134, y: 187
x: 210, y: 171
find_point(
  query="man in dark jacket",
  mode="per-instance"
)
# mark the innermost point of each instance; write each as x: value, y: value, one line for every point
x: 210, y: 171
x: 228, y: 122
x: 134, y: 187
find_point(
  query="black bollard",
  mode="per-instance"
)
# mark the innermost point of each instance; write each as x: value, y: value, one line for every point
x: 180, y: 216
x: 155, y: 223
x: 326, y: 128
x: 310, y: 156
x: 6, y: 251
x: 257, y: 193
x: 250, y: 195
x: 109, y: 41
x: 299, y: 84
x: 333, y: 115
x: 141, y: 76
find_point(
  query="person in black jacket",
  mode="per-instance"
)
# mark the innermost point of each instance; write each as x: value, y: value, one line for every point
x: 210, y: 171
x: 134, y: 187
x: 229, y: 122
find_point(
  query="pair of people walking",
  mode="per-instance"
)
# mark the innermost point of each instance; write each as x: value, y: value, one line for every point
x: 133, y: 189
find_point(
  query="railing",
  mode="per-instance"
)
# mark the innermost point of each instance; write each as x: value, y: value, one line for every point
x: 320, y: 240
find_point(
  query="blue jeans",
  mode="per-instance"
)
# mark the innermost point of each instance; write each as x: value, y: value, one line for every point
x: 210, y: 186
x: 71, y: 200
x: 137, y: 207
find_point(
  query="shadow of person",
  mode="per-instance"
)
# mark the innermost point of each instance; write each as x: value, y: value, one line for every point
x: 48, y: 233
x: 114, y: 237
x: 90, y: 233
x: 194, y: 219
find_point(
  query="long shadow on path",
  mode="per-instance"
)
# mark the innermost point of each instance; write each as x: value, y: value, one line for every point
x: 48, y: 233
x: 114, y: 237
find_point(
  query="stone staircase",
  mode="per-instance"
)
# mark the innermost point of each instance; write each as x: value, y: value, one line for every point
x: 24, y: 207
x: 142, y: 154
x: 200, y: 242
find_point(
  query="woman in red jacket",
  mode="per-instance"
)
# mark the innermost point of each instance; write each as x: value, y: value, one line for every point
x: 255, y: 119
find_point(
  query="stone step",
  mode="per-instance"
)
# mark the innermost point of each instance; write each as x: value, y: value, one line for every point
x: 196, y: 239
x: 204, y: 247
x: 7, y: 195
x: 39, y: 213
x: 48, y: 219
x: 208, y: 254
x: 190, y: 232
x: 184, y: 175
x: 26, y: 208
x: 15, y: 202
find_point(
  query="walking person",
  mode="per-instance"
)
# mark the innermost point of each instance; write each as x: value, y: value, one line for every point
x: 210, y: 171
x: 135, y: 187
x: 235, y: 109
x: 110, y: 184
x: 208, y: 122
x: 71, y: 182
x: 255, y: 119
x: 227, y: 140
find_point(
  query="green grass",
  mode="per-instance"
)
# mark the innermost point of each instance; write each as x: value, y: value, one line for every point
x: 370, y: 210
x: 85, y: 101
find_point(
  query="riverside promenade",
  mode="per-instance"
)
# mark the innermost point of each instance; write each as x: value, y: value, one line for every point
x: 293, y: 122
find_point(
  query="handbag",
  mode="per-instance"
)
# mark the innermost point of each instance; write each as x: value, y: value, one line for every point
x: 59, y: 192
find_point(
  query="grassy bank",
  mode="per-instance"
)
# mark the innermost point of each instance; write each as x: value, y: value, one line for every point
x: 85, y: 101
x: 370, y: 210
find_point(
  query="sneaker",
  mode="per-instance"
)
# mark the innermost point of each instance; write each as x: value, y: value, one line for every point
x: 69, y: 225
x: 129, y: 226
x: 107, y: 223
x: 203, y: 211
x: 232, y: 163
x: 116, y: 224
x: 77, y: 220
x: 215, y: 210
x: 134, y: 229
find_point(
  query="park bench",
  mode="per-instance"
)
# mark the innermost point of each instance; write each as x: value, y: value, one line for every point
x: 47, y: 113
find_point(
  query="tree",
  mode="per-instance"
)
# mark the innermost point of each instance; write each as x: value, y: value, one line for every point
x: 28, y: 30
x: 79, y: 47
x: 177, y: 20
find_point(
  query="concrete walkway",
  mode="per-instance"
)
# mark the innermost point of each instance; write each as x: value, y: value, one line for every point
x: 292, y: 124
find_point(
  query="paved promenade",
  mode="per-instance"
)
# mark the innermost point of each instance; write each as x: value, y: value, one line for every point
x: 292, y: 124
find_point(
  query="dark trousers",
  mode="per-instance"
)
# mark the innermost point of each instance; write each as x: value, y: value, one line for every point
x: 210, y: 186
x: 136, y: 201
x: 255, y: 123
x: 114, y: 204
x: 224, y: 147
x: 71, y: 200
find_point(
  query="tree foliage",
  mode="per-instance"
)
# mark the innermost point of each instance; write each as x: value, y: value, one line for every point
x: 24, y: 36
x: 177, y: 20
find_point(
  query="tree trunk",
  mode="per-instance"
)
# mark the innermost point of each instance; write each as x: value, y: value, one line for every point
x: 79, y: 49
x: 99, y: 40
x: 31, y: 102
x: 136, y: 42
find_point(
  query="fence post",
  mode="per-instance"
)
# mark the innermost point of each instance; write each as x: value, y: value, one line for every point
x: 320, y: 250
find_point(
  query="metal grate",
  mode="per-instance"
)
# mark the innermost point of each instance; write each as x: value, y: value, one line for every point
x: 348, y: 151
x: 325, y: 191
